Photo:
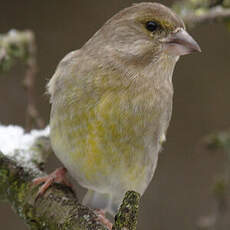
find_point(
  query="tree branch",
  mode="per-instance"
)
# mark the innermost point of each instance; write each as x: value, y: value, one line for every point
x: 59, y: 207
x: 20, y: 46
x: 32, y: 116
x: 126, y: 217
x: 195, y: 13
x: 217, y: 14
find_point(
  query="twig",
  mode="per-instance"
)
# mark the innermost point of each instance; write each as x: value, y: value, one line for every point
x: 32, y: 115
x: 217, y: 14
x: 14, y: 46
x: 126, y: 217
x: 198, y: 12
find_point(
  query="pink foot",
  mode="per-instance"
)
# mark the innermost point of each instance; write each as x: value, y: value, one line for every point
x: 57, y: 176
x: 101, y: 217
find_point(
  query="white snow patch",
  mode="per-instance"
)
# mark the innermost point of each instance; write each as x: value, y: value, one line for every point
x: 13, y: 137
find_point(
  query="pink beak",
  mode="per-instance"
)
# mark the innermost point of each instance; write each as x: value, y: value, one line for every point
x: 180, y: 43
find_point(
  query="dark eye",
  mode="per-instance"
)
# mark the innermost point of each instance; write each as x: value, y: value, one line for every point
x: 151, y: 26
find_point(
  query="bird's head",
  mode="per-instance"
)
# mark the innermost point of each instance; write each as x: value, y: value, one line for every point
x: 144, y: 32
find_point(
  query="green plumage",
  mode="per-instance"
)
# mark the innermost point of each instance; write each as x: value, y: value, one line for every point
x: 111, y: 105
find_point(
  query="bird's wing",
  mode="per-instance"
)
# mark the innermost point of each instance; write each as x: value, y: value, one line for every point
x: 61, y: 74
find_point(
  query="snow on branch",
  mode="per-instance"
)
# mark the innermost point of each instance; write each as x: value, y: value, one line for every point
x: 31, y: 149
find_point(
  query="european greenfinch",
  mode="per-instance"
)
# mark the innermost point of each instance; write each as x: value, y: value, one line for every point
x: 112, y: 102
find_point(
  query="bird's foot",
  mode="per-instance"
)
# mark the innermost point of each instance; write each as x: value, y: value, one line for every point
x: 57, y: 176
x: 101, y: 217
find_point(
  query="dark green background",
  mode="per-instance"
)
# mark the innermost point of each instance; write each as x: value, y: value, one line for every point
x: 181, y: 190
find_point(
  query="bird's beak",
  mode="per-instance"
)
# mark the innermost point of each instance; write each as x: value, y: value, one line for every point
x: 180, y: 43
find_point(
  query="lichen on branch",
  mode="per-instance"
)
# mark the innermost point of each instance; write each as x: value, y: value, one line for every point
x: 59, y: 207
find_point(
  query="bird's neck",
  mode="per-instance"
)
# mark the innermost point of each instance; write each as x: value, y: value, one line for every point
x: 139, y: 73
x: 148, y: 74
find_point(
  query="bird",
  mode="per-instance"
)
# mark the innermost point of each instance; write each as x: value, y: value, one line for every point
x: 112, y: 103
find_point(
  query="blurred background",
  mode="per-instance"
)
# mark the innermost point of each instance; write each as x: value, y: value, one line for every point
x: 182, y: 190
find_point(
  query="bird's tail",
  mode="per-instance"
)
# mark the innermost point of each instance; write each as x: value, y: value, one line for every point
x: 102, y: 201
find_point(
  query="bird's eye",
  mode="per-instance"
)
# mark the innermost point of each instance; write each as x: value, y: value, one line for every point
x: 151, y: 26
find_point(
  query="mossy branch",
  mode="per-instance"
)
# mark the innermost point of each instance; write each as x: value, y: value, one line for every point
x: 126, y: 217
x: 59, y: 207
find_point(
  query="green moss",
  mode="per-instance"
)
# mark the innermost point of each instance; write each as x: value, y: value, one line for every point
x: 127, y: 214
x: 3, y: 181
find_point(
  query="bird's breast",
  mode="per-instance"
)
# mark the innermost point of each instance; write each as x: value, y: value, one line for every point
x: 119, y: 132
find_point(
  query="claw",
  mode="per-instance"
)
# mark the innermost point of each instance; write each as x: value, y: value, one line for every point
x: 57, y: 176
x: 101, y: 217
